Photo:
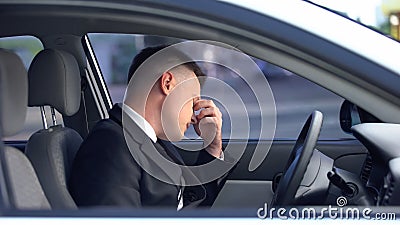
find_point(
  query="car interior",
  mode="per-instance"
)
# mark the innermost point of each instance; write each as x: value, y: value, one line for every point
x: 65, y: 78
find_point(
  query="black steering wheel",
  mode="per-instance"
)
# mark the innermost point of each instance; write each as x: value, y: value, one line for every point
x: 298, y: 161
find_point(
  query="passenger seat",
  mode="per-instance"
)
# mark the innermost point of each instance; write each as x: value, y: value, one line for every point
x: 54, y: 80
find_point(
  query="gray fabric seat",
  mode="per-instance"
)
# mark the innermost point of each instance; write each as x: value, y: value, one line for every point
x: 23, y: 187
x: 54, y: 80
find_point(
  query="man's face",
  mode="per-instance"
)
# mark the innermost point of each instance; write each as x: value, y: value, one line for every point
x: 186, y: 115
x: 178, y: 107
x: 190, y: 89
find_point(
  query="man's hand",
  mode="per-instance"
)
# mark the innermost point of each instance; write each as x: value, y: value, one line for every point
x: 208, y: 126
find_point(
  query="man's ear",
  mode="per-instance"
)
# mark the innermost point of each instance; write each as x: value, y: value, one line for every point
x: 167, y: 82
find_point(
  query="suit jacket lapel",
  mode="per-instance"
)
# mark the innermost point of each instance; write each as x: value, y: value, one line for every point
x: 171, y: 151
x: 137, y: 139
x: 152, y: 159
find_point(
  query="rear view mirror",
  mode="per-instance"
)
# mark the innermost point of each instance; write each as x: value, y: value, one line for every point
x: 351, y: 114
x: 348, y: 116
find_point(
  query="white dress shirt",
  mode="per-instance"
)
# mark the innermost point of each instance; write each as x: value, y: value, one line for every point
x: 141, y: 122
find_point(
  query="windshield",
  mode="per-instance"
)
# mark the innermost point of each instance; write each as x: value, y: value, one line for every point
x: 380, y: 15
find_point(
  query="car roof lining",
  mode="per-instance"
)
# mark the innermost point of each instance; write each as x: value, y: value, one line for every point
x: 79, y: 22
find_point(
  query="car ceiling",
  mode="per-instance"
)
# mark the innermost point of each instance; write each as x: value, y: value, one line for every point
x: 186, y: 19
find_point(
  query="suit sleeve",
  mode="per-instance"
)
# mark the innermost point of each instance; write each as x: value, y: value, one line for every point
x: 212, y: 188
x: 104, y: 173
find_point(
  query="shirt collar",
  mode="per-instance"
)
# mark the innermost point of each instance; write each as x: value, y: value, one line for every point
x: 141, y: 122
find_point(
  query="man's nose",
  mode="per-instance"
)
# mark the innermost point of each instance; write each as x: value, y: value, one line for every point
x: 193, y: 119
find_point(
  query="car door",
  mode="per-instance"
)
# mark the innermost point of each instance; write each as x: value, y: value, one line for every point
x: 294, y: 98
x: 300, y: 50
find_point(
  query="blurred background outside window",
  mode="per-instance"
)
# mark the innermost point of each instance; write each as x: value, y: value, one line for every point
x: 295, y: 97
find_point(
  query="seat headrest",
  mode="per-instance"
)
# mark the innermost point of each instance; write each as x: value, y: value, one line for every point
x: 13, y: 92
x: 54, y: 80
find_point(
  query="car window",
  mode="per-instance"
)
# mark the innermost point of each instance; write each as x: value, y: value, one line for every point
x: 295, y: 97
x: 26, y: 47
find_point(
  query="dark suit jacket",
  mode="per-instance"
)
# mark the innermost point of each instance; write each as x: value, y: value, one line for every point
x: 105, y: 173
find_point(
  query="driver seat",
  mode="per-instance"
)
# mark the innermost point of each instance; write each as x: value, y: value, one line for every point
x: 54, y: 80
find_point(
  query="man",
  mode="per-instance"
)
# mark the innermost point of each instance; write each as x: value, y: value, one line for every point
x: 109, y: 172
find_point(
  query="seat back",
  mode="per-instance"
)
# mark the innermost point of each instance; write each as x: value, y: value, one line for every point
x: 23, y: 187
x: 54, y: 80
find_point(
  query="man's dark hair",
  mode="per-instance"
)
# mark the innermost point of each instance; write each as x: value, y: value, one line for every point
x: 146, y: 53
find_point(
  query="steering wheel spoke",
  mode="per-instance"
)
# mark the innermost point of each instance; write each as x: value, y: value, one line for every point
x: 298, y: 162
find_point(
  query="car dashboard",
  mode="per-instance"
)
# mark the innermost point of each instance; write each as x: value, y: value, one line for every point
x: 381, y: 170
